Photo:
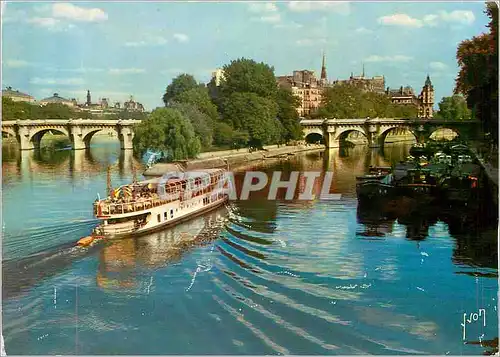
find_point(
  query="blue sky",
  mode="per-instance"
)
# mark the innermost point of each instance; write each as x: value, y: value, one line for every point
x: 122, y: 49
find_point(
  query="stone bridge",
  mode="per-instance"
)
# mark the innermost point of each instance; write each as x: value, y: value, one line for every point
x: 80, y: 131
x: 334, y: 131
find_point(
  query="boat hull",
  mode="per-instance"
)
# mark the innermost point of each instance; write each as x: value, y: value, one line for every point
x: 159, y: 213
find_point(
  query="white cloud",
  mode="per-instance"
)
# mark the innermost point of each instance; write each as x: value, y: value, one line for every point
x: 119, y: 71
x: 16, y: 63
x: 181, y: 37
x: 341, y: 7
x: 262, y: 7
x: 362, y: 30
x: 396, y: 58
x: 289, y: 26
x: 274, y: 18
x: 76, y: 13
x: 311, y: 41
x: 438, y: 66
x: 173, y: 71
x: 458, y: 16
x: 57, y: 81
x: 44, y: 21
x: 153, y: 41
x: 400, y: 20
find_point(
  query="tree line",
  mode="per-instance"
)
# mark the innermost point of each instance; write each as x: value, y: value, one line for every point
x: 13, y: 110
x: 247, y: 109
x: 477, y: 79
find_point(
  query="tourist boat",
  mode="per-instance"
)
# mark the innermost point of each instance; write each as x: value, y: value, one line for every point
x: 153, y: 204
x: 418, y: 149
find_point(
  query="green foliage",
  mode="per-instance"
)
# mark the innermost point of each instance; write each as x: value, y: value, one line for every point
x: 253, y: 114
x: 478, y: 76
x: 180, y: 84
x: 344, y: 101
x: 453, y: 108
x: 199, y: 98
x: 12, y: 110
x: 166, y: 129
x: 245, y: 75
x: 202, y: 124
x: 288, y: 116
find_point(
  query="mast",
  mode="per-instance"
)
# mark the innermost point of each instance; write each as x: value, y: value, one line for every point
x: 108, y: 181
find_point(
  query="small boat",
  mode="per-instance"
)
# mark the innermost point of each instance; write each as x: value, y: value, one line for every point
x: 417, y: 183
x: 377, y: 184
x: 462, y: 184
x: 153, y: 204
x: 418, y: 150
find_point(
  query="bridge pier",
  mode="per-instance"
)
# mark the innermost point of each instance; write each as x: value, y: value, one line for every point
x: 126, y: 136
x: 24, y: 140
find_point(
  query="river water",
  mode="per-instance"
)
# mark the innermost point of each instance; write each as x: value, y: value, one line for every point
x: 256, y: 277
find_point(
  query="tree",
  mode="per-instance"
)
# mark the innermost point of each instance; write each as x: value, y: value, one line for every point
x: 478, y: 76
x: 166, y: 129
x: 253, y: 114
x: 202, y: 124
x: 180, y: 84
x: 200, y: 99
x: 287, y: 114
x: 246, y: 75
x: 453, y: 108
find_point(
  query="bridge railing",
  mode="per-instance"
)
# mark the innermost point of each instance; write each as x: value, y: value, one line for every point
x: 106, y: 122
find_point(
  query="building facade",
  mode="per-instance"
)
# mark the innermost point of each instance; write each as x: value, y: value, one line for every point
x: 218, y: 76
x: 426, y: 98
x: 403, y: 96
x: 306, y: 87
x: 17, y: 96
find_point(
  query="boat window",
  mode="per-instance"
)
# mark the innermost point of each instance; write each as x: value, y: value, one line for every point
x: 171, y: 213
x: 159, y: 218
x: 165, y: 215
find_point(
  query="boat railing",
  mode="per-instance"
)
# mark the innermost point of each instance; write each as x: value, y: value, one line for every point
x: 103, y: 208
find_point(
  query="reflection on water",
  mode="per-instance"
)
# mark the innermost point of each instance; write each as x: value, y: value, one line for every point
x: 256, y: 277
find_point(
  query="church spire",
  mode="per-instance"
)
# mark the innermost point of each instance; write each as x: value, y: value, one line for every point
x: 88, y: 98
x: 323, y: 68
x: 363, y: 74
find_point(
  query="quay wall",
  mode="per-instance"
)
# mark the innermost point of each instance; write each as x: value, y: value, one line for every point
x: 234, y: 159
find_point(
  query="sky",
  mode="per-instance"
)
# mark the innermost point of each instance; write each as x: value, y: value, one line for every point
x: 119, y: 49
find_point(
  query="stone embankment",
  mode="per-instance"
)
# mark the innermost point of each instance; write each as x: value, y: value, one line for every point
x: 232, y: 159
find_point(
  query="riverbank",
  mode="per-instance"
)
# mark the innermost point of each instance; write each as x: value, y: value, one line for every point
x: 235, y: 160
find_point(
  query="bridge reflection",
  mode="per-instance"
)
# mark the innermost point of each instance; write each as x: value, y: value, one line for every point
x: 93, y: 160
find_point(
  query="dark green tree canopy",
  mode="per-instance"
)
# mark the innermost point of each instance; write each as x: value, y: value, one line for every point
x: 287, y: 114
x: 253, y: 114
x: 180, y: 84
x: 166, y: 129
x: 199, y: 98
x: 453, y: 108
x: 245, y: 75
x: 202, y: 124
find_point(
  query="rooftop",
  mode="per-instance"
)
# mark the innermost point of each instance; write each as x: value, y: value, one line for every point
x: 9, y: 92
x: 55, y: 99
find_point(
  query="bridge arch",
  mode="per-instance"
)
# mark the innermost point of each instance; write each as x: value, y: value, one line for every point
x: 434, y: 133
x: 386, y: 131
x: 342, y: 134
x: 35, y: 136
x: 314, y: 137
